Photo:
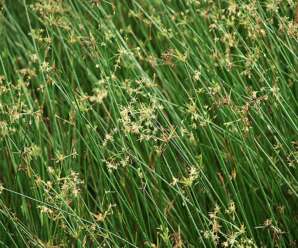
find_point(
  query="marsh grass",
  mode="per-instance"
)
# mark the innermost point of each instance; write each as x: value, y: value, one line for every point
x: 158, y: 123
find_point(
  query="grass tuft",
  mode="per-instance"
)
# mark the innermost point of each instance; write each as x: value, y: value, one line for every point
x: 155, y: 123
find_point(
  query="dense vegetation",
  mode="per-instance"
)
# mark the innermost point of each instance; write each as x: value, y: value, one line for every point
x: 148, y: 123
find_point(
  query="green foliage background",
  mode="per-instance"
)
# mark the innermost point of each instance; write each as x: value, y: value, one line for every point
x: 166, y: 123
